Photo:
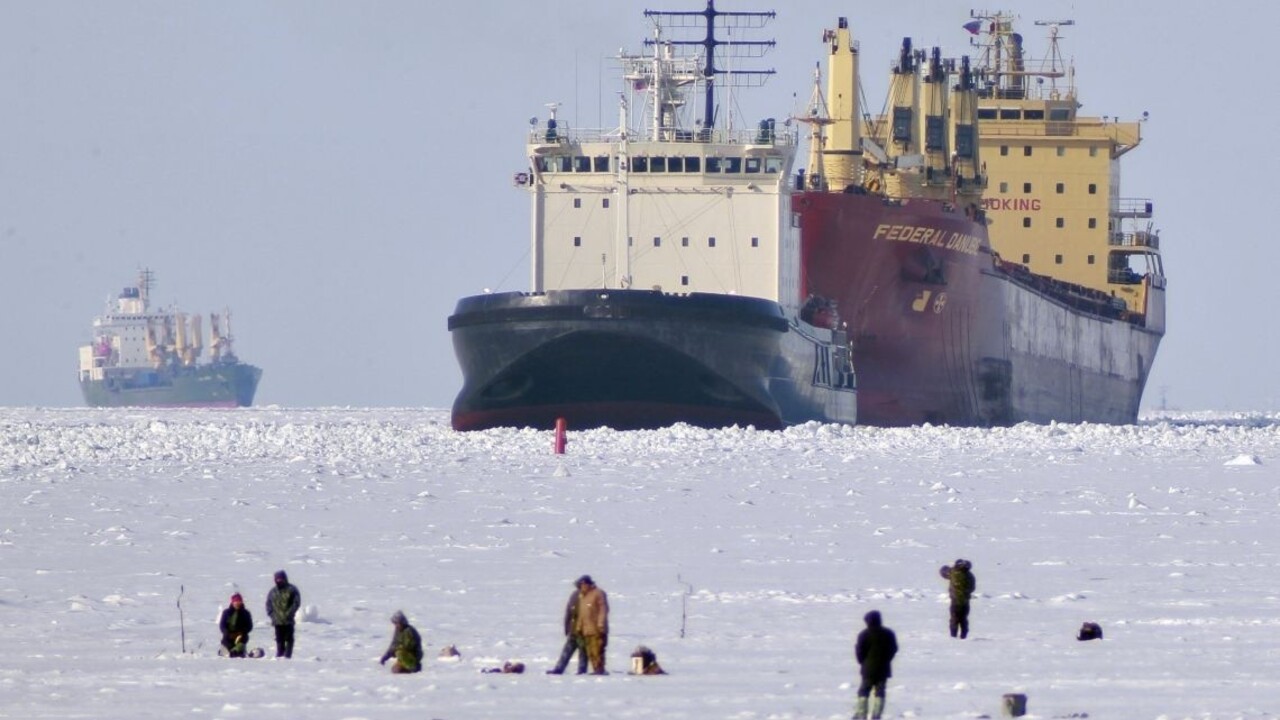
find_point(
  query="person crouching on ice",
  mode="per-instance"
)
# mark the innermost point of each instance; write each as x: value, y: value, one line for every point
x: 235, y: 624
x: 405, y: 647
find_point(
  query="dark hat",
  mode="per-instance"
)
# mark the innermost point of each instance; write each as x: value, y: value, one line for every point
x: 585, y: 579
x: 873, y: 618
x: 398, y: 618
x: 280, y: 575
x: 235, y: 597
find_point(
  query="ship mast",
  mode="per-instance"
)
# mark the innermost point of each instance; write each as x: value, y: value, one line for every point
x: 622, y: 241
x: 710, y: 19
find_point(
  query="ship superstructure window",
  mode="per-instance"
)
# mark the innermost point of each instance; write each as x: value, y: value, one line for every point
x: 605, y: 203
x: 1061, y: 151
x: 902, y: 124
x: 1026, y: 188
x: 1093, y: 223
x: 601, y: 163
x: 577, y: 241
x: 986, y: 113
x: 1091, y: 259
x: 1093, y: 151
x: 935, y: 133
x: 675, y: 164
x: 772, y: 165
x: 711, y: 242
x: 1033, y: 115
x: 713, y: 164
x: 1057, y: 259
x: 753, y: 165
x: 657, y: 242
x: 1026, y: 150
x: 1010, y: 114
x: 657, y: 164
x: 1026, y: 222
x: 684, y: 279
x: 1004, y: 187
x: 640, y: 163
x: 1004, y: 149
x: 684, y: 242
x: 1059, y: 114
x: 581, y: 163
x: 733, y: 165
x: 755, y: 242
x: 1060, y: 222
x: 966, y: 140
x: 1093, y: 189
x: 1026, y: 258
x: 1060, y: 188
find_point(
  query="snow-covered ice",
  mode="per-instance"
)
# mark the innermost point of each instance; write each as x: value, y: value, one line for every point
x: 745, y: 559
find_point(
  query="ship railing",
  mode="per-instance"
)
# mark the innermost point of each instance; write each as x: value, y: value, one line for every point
x: 1137, y: 239
x: 1033, y: 128
x: 784, y: 137
x: 1133, y: 208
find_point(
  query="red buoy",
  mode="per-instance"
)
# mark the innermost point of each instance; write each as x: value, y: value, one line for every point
x: 561, y: 426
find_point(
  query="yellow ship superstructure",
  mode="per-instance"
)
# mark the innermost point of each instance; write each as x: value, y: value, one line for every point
x: 1053, y: 196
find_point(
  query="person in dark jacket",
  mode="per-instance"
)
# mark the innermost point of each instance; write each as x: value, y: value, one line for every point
x: 963, y: 583
x: 405, y: 647
x: 283, y: 602
x: 874, y: 650
x: 572, y: 641
x: 236, y: 623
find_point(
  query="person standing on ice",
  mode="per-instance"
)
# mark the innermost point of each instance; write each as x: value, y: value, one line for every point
x: 963, y: 583
x: 405, y: 647
x: 572, y: 642
x: 874, y: 650
x: 283, y: 602
x: 236, y: 623
x: 592, y: 624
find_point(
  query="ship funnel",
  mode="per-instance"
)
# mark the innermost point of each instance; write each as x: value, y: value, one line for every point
x: 1017, y: 87
x: 842, y: 153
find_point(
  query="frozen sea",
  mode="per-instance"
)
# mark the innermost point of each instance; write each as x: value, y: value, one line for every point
x: 745, y: 559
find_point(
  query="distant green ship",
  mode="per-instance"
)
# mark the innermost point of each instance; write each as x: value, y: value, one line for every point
x: 153, y: 359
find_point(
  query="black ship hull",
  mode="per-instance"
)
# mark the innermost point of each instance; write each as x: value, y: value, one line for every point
x: 633, y: 359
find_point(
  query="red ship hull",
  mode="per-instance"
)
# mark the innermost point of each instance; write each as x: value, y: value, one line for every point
x: 941, y: 334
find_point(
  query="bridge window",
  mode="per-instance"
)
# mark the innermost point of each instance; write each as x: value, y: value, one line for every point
x: 675, y: 164
x: 601, y: 163
x: 1010, y: 114
x: 753, y: 164
x: 657, y: 164
x: 693, y: 164
x: 640, y: 163
x: 713, y: 164
x: 1033, y: 115
x: 733, y: 165
x: 1060, y: 114
x: 986, y: 113
x: 773, y: 165
x: 581, y: 163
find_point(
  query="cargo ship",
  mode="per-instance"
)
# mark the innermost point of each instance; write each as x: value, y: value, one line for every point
x: 145, y: 358
x: 1012, y: 281
x: 666, y: 269
x: 916, y: 247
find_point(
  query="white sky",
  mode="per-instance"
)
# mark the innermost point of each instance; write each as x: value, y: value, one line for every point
x: 339, y: 173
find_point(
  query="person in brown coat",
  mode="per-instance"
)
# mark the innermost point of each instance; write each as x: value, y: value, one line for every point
x: 592, y: 623
x: 572, y: 642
